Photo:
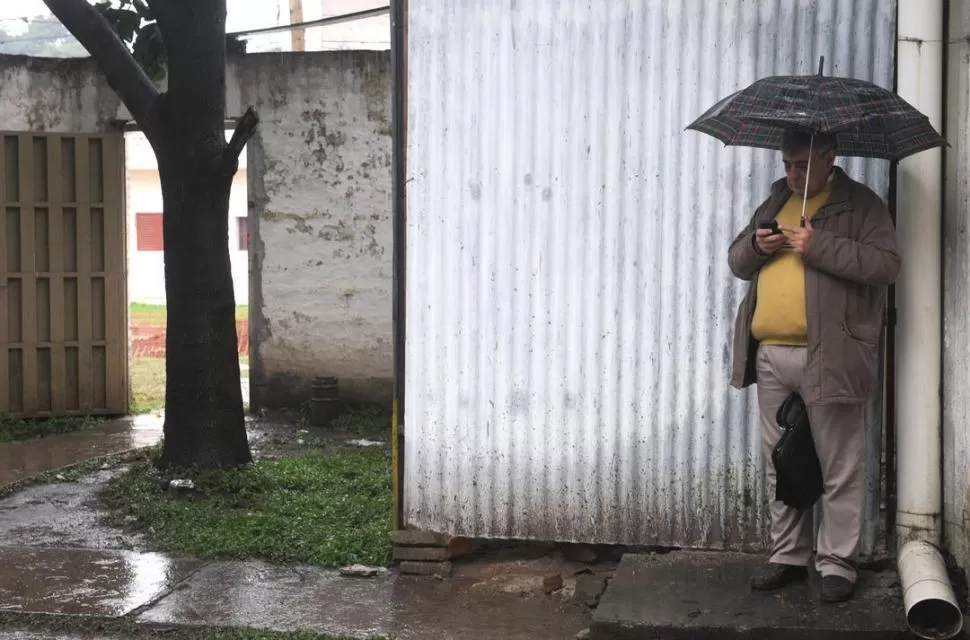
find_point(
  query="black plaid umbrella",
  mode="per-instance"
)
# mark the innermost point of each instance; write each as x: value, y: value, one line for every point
x: 866, y: 119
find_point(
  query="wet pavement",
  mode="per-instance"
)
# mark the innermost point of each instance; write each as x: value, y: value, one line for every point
x: 257, y: 595
x: 63, y: 515
x: 707, y: 595
x: 58, y: 557
x: 22, y: 460
x: 84, y: 581
x: 483, y: 600
x: 24, y: 634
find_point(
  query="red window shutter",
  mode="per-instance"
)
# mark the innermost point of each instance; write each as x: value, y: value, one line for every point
x: 148, y: 227
x: 242, y: 224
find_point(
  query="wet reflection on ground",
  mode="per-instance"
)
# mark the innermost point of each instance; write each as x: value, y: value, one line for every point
x: 80, y: 581
x: 470, y: 605
x: 21, y: 460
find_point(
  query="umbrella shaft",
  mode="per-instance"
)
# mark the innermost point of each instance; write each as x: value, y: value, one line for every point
x: 808, y: 174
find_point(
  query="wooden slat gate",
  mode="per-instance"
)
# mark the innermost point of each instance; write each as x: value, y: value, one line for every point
x: 63, y: 315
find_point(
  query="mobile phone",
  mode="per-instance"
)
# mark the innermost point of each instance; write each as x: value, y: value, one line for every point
x: 771, y: 224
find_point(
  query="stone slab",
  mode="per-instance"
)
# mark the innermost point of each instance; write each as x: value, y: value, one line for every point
x: 703, y: 596
x: 85, y: 582
x: 262, y: 596
x: 63, y: 515
x: 419, y: 538
x: 421, y: 554
x: 21, y: 460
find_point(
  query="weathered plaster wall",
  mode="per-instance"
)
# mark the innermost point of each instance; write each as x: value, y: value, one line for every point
x: 55, y: 95
x: 319, y: 204
x: 956, y: 293
x: 320, y: 223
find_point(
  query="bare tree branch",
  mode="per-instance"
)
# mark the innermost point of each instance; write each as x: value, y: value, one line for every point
x: 245, y: 129
x: 112, y: 56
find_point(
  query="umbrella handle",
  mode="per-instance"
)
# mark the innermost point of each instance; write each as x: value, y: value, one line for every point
x: 808, y: 173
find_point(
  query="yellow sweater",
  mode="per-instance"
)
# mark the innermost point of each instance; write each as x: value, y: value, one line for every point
x: 779, y: 315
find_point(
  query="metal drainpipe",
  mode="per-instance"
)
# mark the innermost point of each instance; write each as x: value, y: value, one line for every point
x: 399, y: 208
x: 930, y: 605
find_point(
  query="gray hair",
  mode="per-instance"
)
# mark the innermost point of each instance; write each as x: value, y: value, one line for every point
x: 793, y: 140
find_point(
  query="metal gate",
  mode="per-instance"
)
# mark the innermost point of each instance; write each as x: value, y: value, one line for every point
x: 63, y: 333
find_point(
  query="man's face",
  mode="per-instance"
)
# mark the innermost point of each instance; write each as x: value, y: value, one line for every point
x: 796, y: 170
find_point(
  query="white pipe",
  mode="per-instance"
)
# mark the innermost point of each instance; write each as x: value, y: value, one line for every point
x: 931, y: 609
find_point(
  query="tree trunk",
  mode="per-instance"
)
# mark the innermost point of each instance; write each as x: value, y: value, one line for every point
x: 204, y: 422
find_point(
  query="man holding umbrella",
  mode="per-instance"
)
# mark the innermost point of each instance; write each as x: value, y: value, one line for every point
x: 812, y: 318
x: 811, y: 323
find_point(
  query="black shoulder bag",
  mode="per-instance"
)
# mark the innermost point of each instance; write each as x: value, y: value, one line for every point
x: 796, y: 462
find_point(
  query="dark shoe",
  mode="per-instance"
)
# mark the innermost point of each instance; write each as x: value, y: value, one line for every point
x: 836, y: 589
x: 777, y: 576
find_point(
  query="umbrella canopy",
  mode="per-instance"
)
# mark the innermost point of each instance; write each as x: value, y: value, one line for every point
x: 865, y: 119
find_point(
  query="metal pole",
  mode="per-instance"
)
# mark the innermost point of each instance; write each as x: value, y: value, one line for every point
x: 399, y: 210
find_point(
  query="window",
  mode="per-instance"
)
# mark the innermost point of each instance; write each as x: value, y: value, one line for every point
x: 148, y: 229
x: 242, y: 225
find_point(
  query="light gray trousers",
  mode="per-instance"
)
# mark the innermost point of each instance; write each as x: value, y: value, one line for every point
x: 839, y: 435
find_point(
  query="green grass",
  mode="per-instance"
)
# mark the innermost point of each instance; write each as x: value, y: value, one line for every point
x: 19, y: 429
x: 327, y: 509
x: 148, y: 383
x: 155, y: 313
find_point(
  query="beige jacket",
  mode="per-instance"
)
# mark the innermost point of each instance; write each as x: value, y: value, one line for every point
x: 850, y: 264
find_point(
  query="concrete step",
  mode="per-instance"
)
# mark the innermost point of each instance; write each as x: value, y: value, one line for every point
x: 706, y: 596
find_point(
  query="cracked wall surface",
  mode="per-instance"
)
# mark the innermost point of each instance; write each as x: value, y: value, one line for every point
x: 55, y: 96
x: 320, y: 212
x: 319, y: 204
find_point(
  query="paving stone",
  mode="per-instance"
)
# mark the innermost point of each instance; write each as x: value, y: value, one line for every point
x: 421, y: 554
x: 88, y: 582
x: 21, y: 460
x: 690, y: 595
x: 261, y: 596
x: 419, y: 538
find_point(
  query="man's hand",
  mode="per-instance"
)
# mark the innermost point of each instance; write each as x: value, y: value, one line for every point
x: 769, y: 243
x: 799, y: 237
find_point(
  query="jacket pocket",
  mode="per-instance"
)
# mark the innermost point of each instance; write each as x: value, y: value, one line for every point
x: 867, y: 334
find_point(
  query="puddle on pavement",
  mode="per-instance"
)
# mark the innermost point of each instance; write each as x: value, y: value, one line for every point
x: 21, y: 460
x: 404, y: 607
x: 62, y: 514
x: 85, y: 582
x: 495, y: 594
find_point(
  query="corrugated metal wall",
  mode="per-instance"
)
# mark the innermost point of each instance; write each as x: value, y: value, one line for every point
x: 956, y: 294
x: 569, y: 304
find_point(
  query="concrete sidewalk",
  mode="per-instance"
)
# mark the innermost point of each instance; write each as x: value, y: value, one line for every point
x: 22, y: 460
x: 57, y: 558
x: 695, y: 595
x: 156, y: 591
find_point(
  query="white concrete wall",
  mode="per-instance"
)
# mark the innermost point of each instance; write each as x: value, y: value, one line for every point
x: 956, y: 292
x: 319, y: 206
x: 321, y: 223
x: 54, y: 95
x: 146, y: 269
